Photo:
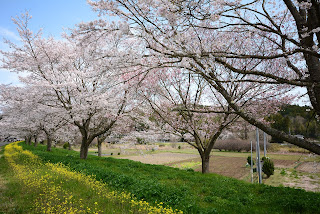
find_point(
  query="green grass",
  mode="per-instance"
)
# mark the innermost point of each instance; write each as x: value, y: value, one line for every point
x: 12, y: 198
x: 191, y: 192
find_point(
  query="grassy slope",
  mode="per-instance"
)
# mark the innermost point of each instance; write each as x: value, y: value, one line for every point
x: 191, y: 192
x: 12, y: 199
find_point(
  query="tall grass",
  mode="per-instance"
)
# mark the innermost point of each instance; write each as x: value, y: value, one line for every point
x: 191, y: 192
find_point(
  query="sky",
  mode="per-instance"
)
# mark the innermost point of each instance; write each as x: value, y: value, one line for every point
x: 54, y: 16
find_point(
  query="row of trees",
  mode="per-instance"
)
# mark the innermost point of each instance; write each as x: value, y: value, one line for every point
x: 191, y: 68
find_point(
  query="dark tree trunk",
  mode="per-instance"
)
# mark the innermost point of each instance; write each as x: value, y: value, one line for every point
x: 35, y: 140
x: 49, y: 144
x: 84, y: 149
x: 205, y: 163
x: 28, y: 140
x: 69, y: 146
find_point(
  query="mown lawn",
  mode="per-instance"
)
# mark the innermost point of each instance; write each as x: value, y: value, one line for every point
x: 189, y: 191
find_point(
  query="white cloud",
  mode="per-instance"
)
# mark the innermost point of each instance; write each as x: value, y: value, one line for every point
x: 8, y: 34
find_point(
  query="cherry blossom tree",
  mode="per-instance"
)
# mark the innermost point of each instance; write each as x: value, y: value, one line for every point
x: 78, y: 74
x: 174, y: 103
x: 185, y: 104
x: 27, y: 112
x: 258, y: 41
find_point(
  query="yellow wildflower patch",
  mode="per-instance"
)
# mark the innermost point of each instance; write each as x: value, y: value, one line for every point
x: 61, y: 190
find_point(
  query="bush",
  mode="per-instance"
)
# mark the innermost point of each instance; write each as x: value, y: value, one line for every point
x: 249, y: 160
x: 268, y: 166
x: 141, y: 141
x: 66, y: 145
x: 118, y: 153
x: 179, y: 147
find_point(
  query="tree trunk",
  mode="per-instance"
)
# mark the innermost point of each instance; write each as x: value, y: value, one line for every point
x: 100, y: 140
x: 99, y: 147
x: 35, y: 140
x: 205, y: 163
x: 84, y: 149
x: 28, y: 140
x: 245, y: 132
x: 49, y: 144
x: 69, y: 146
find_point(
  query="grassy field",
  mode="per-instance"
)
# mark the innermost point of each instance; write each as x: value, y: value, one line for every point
x: 294, y: 166
x: 191, y: 192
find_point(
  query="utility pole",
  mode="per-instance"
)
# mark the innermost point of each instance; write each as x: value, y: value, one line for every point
x: 265, y: 144
x: 251, y: 165
x: 258, y: 157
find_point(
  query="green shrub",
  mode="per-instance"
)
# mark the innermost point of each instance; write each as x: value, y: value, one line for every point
x: 111, y: 153
x: 268, y: 166
x: 249, y: 160
x: 118, y: 153
x: 66, y: 145
x: 179, y: 147
x: 141, y: 141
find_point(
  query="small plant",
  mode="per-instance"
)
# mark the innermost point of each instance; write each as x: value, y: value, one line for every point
x: 66, y: 145
x: 283, y: 172
x: 179, y: 147
x: 249, y: 160
x: 118, y: 153
x: 268, y: 167
x: 111, y: 153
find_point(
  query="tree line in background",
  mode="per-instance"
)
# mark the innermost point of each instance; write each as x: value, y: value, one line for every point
x: 295, y: 120
x: 186, y: 68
